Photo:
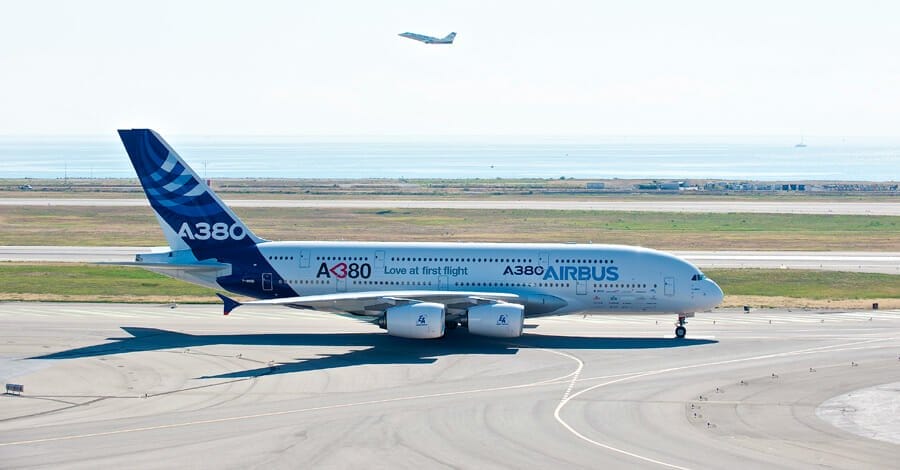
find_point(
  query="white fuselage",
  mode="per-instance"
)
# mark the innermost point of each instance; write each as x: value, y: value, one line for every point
x: 600, y: 278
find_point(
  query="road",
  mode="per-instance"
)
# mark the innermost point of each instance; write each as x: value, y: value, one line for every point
x: 582, y: 204
x: 135, y: 386
x: 873, y: 262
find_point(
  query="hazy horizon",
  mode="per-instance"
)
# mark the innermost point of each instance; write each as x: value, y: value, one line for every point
x: 525, y: 68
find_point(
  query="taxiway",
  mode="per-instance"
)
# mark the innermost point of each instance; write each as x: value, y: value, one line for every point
x: 135, y: 386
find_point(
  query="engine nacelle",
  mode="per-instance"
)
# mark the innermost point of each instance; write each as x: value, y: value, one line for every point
x: 422, y: 320
x: 499, y: 320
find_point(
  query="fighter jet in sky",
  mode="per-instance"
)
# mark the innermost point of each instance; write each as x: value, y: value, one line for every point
x: 448, y: 39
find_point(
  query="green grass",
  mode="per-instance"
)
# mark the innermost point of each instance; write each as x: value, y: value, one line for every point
x: 118, y: 226
x: 112, y: 283
x: 817, y: 285
x: 91, y: 280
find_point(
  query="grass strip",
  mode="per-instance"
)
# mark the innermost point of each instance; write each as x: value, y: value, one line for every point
x: 75, y: 281
x: 807, y: 284
x: 136, y: 226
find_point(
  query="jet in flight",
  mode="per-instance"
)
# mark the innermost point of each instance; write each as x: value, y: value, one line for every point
x: 412, y: 290
x: 448, y: 39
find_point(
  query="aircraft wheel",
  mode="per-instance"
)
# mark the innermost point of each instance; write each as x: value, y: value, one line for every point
x: 680, y: 331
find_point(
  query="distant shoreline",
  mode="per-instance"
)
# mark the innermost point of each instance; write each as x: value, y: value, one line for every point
x: 277, y: 188
x: 488, y: 158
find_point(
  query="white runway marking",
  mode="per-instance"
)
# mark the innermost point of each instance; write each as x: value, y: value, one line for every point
x: 567, y: 399
x: 551, y: 381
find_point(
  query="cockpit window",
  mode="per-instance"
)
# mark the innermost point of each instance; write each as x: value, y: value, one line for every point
x: 698, y: 277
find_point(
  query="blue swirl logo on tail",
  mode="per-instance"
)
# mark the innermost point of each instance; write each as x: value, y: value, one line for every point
x: 191, y: 214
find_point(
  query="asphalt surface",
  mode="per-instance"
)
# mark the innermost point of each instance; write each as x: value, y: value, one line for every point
x: 874, y: 262
x: 138, y: 386
x: 686, y: 205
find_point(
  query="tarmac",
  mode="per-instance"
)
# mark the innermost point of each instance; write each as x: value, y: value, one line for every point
x: 694, y: 205
x: 152, y: 386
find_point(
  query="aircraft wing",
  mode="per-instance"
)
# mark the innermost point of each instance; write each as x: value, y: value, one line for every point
x: 376, y: 302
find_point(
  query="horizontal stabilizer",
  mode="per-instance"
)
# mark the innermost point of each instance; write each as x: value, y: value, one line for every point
x: 229, y: 303
x: 172, y: 266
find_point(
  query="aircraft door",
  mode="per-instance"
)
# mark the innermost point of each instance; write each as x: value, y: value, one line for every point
x: 304, y: 258
x: 340, y: 285
x: 267, y: 281
x: 580, y: 287
x: 544, y: 258
x: 379, y: 260
x: 669, y: 285
x: 443, y: 283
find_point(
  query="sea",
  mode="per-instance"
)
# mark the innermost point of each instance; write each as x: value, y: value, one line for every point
x: 754, y: 159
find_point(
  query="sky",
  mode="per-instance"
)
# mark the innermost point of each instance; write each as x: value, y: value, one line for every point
x: 517, y: 68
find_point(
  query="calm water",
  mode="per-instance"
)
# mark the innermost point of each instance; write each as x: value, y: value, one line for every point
x: 475, y: 158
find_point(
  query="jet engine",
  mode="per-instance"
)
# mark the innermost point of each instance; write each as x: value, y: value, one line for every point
x: 499, y: 319
x: 421, y: 320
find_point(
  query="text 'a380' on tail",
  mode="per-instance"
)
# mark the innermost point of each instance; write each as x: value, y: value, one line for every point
x: 191, y: 215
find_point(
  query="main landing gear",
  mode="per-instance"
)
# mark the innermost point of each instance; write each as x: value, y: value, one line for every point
x: 680, y: 330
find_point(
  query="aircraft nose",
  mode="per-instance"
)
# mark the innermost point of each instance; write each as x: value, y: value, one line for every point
x: 713, y: 293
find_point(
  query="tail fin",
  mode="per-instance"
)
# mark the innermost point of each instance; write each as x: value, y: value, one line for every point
x: 191, y: 215
x: 450, y: 37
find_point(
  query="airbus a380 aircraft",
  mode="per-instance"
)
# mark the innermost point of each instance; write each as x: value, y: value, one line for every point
x: 413, y: 290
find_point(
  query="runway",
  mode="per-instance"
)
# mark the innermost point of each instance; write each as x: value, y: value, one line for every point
x: 873, y: 262
x: 150, y: 386
x: 694, y: 205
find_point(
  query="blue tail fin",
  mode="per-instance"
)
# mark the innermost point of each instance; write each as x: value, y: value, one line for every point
x: 191, y: 215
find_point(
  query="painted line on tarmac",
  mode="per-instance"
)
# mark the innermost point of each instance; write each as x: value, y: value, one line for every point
x: 567, y: 399
x: 551, y: 381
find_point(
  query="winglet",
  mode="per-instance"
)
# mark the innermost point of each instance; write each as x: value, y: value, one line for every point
x: 230, y: 304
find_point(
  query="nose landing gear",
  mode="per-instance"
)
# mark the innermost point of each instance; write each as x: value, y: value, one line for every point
x: 680, y: 330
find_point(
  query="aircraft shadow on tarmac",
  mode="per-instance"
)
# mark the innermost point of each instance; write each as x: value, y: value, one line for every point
x: 379, y: 348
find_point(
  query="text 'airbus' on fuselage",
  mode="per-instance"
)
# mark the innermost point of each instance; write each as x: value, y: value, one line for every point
x: 413, y: 290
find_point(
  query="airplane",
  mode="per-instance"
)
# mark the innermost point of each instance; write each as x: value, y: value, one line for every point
x: 412, y: 290
x: 448, y: 39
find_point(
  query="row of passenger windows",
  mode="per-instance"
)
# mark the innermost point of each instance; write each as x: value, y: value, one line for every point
x: 585, y: 261
x: 512, y: 284
x: 453, y: 260
x: 393, y: 283
x: 342, y: 258
x: 469, y: 284
x: 622, y: 286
